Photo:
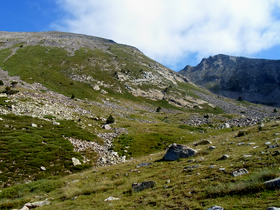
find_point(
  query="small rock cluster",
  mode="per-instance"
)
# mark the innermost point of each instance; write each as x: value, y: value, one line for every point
x: 106, y: 157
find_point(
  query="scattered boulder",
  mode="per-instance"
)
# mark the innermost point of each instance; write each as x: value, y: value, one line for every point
x: 76, y: 161
x: 239, y: 172
x: 177, y: 151
x: 28, y: 206
x: 106, y: 127
x: 273, y: 208
x: 224, y: 157
x: 212, y: 147
x: 272, y: 146
x: 143, y: 165
x: 33, y: 125
x: 56, y: 123
x: 111, y: 198
x: 274, y: 183
x: 24, y: 208
x: 136, y: 187
x: 96, y: 87
x: 247, y: 156
x: 43, y: 168
x: 275, y: 153
x: 227, y: 125
x: 216, y: 208
x: 203, y: 142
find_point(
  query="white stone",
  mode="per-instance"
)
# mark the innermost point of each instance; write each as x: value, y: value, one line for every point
x: 107, y: 127
x: 227, y: 125
x: 43, y: 168
x: 216, y: 208
x: 24, y: 208
x: 34, y: 125
x: 56, y: 123
x: 111, y: 199
x: 96, y: 87
x: 75, y: 161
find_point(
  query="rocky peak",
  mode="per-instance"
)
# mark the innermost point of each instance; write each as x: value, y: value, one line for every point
x: 254, y: 80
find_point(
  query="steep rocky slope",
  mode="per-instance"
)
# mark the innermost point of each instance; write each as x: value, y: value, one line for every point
x: 254, y: 80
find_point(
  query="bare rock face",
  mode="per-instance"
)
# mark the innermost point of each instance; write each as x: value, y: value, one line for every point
x: 177, y: 151
x: 254, y: 80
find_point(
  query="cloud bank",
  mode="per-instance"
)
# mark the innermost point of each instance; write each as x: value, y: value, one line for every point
x: 169, y: 31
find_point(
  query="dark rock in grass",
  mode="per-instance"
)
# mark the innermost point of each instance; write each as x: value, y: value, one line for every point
x: 136, y: 187
x: 272, y: 146
x: 144, y: 165
x: 177, y: 151
x: 216, y: 208
x: 275, y: 153
x: 273, y: 208
x: 240, y: 172
x: 274, y: 183
x: 224, y: 157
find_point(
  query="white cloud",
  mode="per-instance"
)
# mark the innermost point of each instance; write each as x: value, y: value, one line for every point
x: 168, y: 30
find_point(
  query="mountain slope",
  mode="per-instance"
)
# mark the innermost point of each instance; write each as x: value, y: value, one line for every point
x: 58, y: 60
x: 254, y: 80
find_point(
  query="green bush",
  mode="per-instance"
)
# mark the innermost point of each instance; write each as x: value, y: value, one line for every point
x: 110, y: 120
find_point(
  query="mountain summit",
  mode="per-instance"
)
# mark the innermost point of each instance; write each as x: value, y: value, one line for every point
x: 254, y: 80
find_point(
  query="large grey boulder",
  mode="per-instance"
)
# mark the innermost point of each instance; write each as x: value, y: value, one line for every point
x: 274, y: 183
x: 177, y: 151
x: 136, y: 187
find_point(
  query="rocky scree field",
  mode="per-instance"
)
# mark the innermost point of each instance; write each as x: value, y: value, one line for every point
x: 58, y: 92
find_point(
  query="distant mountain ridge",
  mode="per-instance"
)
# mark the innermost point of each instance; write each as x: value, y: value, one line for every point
x: 254, y: 80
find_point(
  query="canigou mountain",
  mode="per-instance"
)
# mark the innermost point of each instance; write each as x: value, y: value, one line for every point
x: 254, y: 80
x: 85, y: 123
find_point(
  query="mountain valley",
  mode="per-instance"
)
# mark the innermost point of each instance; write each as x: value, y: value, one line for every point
x: 83, y: 118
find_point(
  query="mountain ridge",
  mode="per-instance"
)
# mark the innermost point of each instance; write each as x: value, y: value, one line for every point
x: 254, y: 80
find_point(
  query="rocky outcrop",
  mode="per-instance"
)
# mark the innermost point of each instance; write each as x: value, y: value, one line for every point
x: 254, y: 80
x: 177, y: 151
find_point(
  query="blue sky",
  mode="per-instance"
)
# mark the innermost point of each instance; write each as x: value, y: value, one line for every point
x: 174, y: 33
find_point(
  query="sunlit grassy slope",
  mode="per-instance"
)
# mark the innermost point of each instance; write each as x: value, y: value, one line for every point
x: 199, y: 188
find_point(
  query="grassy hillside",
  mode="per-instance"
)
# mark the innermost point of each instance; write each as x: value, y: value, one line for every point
x: 206, y: 182
x: 25, y: 149
x: 64, y: 87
